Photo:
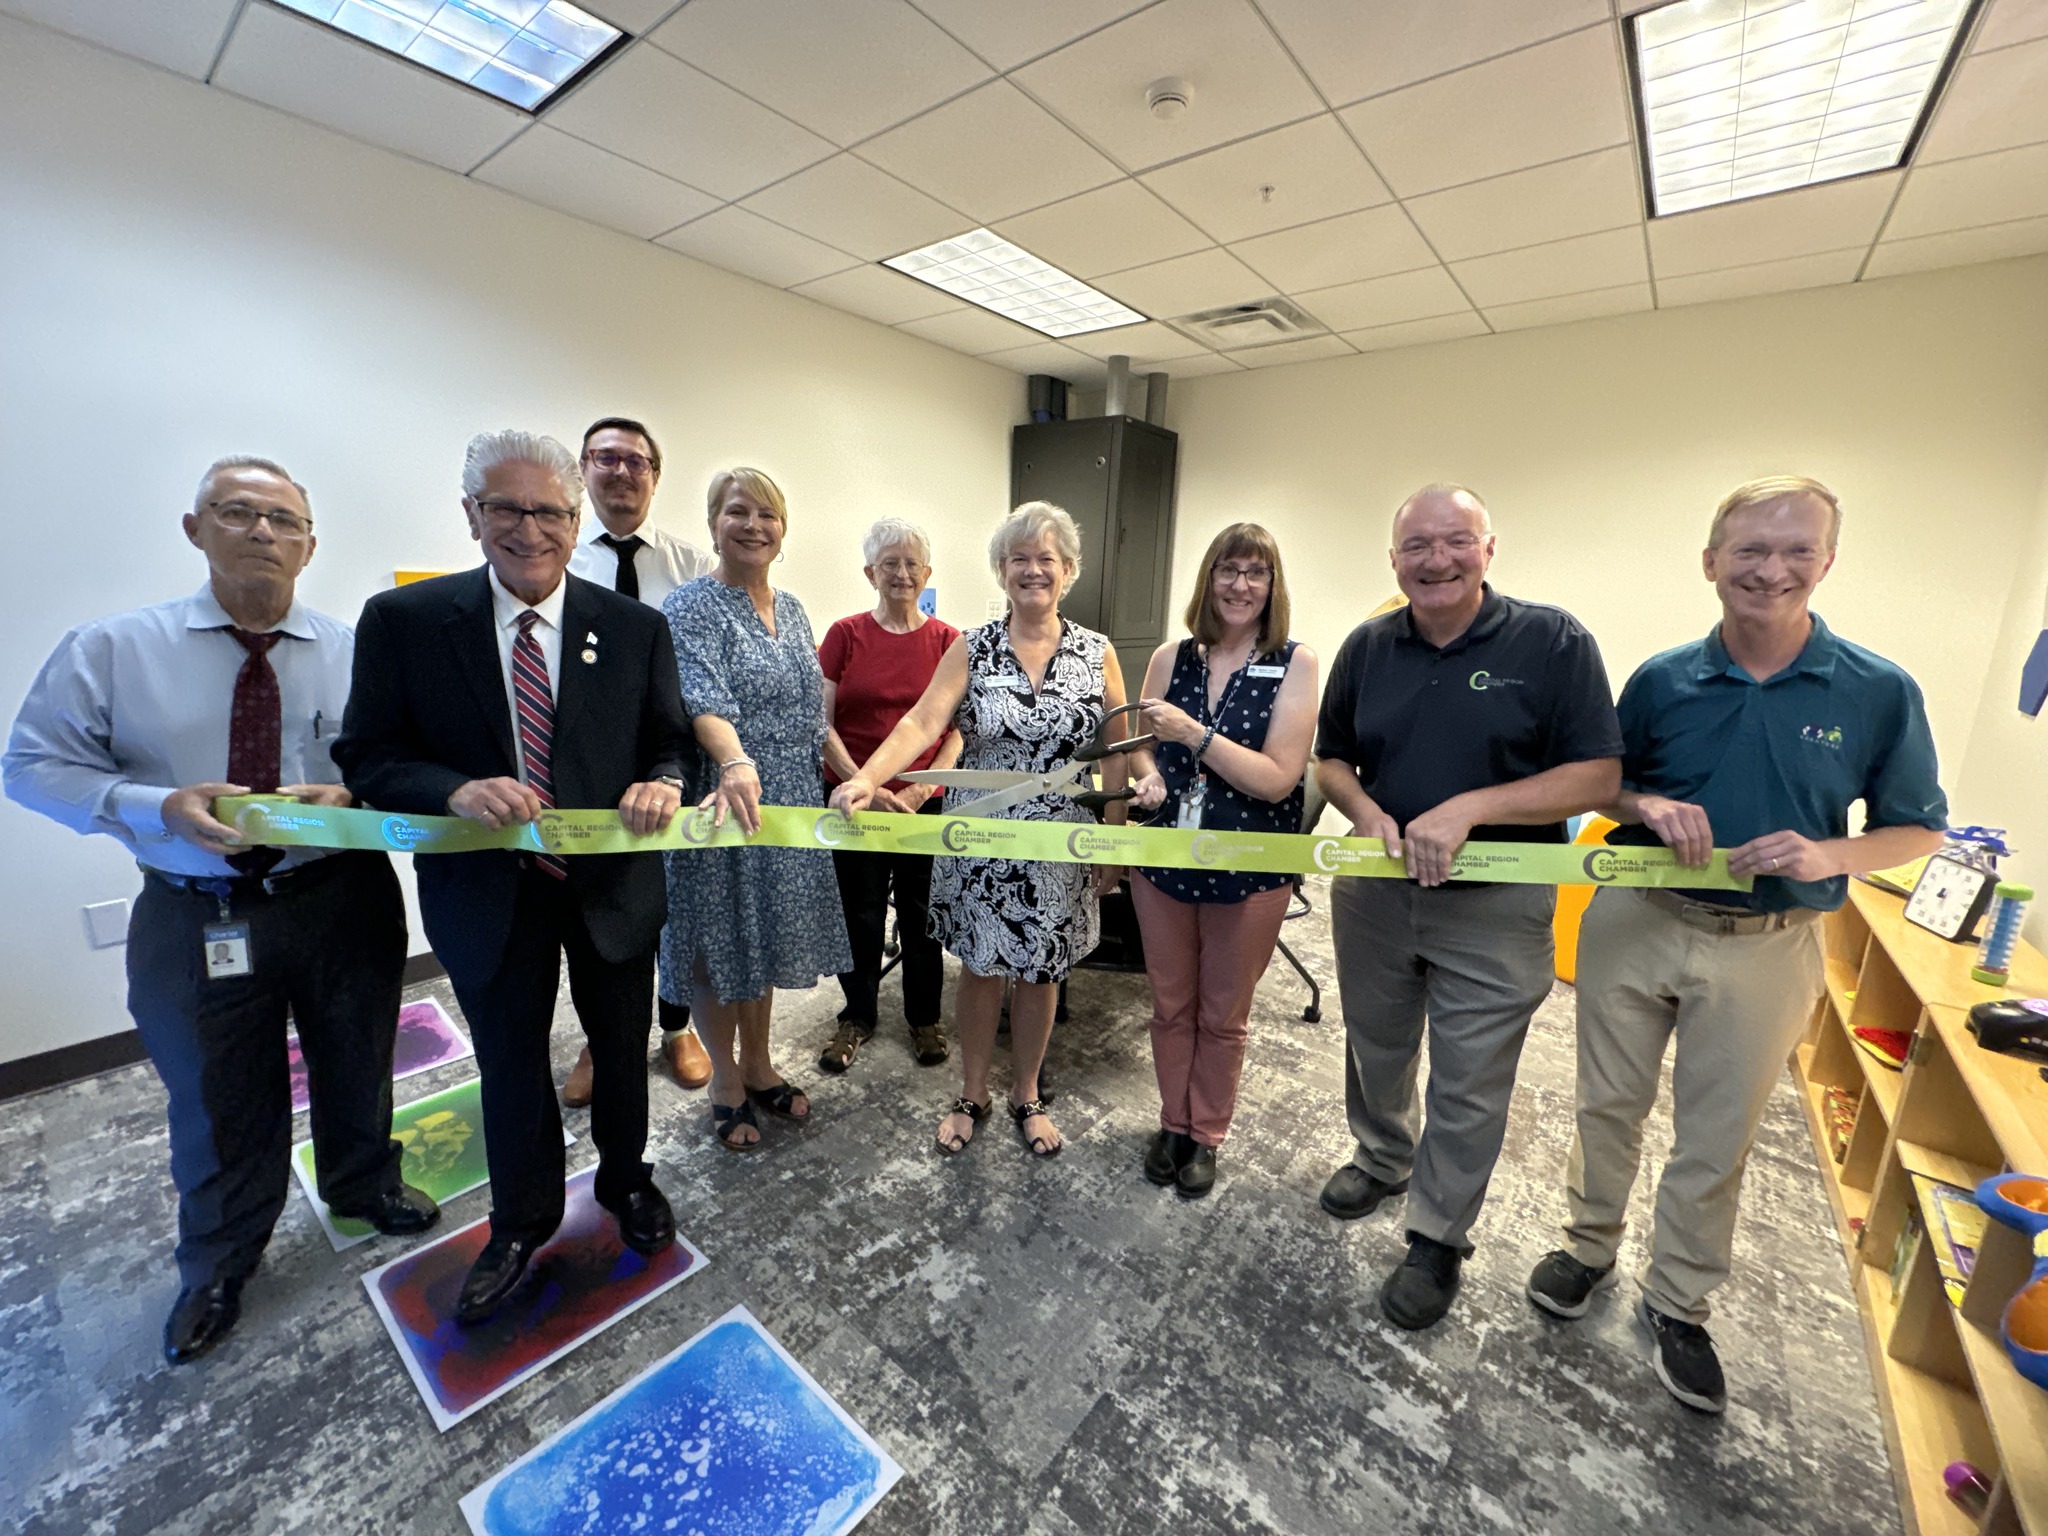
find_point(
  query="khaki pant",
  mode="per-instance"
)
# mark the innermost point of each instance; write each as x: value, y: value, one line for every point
x: 1738, y: 1004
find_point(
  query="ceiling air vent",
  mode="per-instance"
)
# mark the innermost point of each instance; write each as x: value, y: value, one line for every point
x: 1256, y: 324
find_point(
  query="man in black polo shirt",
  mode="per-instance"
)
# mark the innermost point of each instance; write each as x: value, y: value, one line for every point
x: 1464, y: 715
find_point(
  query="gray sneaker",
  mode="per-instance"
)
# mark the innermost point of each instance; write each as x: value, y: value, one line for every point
x: 1564, y: 1287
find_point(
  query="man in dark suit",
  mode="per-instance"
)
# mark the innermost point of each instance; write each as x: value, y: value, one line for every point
x: 498, y: 694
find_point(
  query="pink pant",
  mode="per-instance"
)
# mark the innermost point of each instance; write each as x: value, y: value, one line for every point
x: 1203, y: 960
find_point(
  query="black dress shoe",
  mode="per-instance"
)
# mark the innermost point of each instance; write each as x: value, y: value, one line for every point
x: 1352, y: 1192
x: 1420, y: 1290
x: 201, y: 1318
x: 491, y: 1278
x: 645, y: 1222
x: 1197, y: 1175
x: 400, y: 1212
x: 1164, y: 1157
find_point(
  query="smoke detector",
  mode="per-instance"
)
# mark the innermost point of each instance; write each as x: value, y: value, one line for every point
x: 1168, y: 98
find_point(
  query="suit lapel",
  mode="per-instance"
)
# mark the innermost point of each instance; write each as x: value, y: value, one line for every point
x: 581, y: 636
x: 473, y: 635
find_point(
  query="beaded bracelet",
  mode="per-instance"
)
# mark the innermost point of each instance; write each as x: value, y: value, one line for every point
x: 1207, y: 737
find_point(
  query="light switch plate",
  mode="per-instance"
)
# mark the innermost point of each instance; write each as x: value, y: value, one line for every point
x: 106, y: 924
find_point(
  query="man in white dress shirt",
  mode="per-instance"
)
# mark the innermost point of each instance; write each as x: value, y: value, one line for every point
x: 623, y: 550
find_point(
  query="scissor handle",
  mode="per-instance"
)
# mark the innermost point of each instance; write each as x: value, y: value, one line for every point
x: 1101, y: 746
x: 1097, y: 799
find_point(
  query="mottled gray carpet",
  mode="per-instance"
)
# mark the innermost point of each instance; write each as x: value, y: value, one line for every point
x: 1046, y: 1347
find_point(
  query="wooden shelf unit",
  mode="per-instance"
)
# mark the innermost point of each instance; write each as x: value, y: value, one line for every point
x: 1957, y: 1113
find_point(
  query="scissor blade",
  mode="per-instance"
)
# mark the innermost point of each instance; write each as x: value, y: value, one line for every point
x: 969, y: 778
x: 1062, y: 781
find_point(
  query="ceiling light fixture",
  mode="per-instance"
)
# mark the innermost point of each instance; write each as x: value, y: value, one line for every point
x: 1739, y: 98
x: 983, y: 268
x: 520, y: 51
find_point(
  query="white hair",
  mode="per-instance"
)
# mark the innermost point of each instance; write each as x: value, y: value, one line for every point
x: 891, y: 531
x: 234, y: 461
x: 487, y: 450
x: 1032, y: 521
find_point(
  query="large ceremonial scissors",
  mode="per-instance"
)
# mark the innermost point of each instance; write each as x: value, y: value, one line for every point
x: 1071, y: 778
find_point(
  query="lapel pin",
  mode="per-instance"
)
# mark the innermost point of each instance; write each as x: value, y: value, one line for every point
x: 589, y: 655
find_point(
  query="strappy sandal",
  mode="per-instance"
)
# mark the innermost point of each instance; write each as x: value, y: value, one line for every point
x: 928, y: 1044
x: 725, y: 1118
x: 844, y: 1046
x: 779, y: 1099
x: 975, y: 1113
x: 1038, y: 1146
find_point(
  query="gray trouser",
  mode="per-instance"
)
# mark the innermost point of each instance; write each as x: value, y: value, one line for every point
x: 1471, y: 963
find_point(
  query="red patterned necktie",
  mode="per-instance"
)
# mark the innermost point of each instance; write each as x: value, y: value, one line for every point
x: 255, y: 736
x: 536, y: 707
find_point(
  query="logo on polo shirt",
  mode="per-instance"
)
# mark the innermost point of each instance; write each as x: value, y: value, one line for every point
x: 1482, y: 680
x: 1829, y: 736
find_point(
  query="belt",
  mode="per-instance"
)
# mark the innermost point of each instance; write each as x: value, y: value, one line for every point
x: 229, y: 887
x: 1712, y: 917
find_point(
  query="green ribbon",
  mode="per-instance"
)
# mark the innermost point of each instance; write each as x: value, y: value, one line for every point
x: 288, y: 823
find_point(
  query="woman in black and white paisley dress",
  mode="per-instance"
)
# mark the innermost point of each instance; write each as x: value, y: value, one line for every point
x: 1027, y: 692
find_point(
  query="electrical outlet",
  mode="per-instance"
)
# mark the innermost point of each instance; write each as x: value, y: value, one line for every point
x: 106, y: 924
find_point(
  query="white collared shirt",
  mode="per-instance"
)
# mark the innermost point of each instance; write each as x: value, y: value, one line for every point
x: 665, y: 564
x: 506, y: 609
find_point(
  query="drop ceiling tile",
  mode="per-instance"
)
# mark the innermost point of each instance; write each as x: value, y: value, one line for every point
x: 659, y: 112
x: 1960, y: 194
x: 1764, y: 277
x: 1108, y: 230
x: 1624, y: 300
x: 1959, y: 248
x: 634, y: 16
x: 1416, y: 333
x: 1242, y: 80
x: 1572, y: 197
x: 1352, y: 50
x: 848, y: 203
x: 1306, y: 350
x: 2011, y: 21
x: 1142, y: 344
x: 183, y: 37
x: 1185, y: 284
x: 973, y: 331
x: 1577, y: 265
x: 991, y: 153
x: 1545, y: 103
x: 1419, y: 295
x: 750, y: 245
x: 314, y: 72
x: 1200, y: 366
x: 547, y: 167
x: 1008, y: 35
x: 1050, y: 357
x: 1829, y: 217
x: 1346, y: 249
x: 1293, y: 175
x: 842, y: 68
x: 1996, y: 101
x: 876, y: 293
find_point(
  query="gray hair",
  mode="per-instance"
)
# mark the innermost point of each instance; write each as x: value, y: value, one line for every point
x: 487, y: 450
x: 246, y: 461
x: 1447, y: 488
x: 1031, y: 521
x: 891, y: 531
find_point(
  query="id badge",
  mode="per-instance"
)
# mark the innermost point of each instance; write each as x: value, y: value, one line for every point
x: 227, y: 950
x: 1191, y: 805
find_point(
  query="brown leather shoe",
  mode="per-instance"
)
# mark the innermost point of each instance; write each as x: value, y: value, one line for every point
x: 576, y: 1091
x: 687, y: 1059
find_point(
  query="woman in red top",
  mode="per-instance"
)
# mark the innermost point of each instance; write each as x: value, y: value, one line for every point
x: 876, y: 666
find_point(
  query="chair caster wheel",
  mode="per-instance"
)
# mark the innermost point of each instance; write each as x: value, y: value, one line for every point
x: 1312, y: 1015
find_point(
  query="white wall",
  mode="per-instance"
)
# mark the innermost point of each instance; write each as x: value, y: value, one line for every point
x: 1603, y: 448
x: 183, y: 274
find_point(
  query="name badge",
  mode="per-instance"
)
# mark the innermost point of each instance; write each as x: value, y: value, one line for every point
x: 1190, y: 818
x: 1265, y: 671
x: 227, y: 950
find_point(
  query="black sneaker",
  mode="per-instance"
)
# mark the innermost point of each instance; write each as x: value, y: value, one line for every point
x: 1169, y: 1149
x: 1198, y: 1174
x: 1685, y: 1362
x: 1419, y: 1292
x: 1564, y: 1287
x: 1352, y: 1192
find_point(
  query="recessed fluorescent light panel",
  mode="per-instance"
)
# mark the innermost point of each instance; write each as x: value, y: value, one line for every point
x: 520, y: 51
x: 1737, y: 98
x: 985, y: 269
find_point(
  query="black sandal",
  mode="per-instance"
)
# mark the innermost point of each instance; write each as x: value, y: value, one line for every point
x: 726, y: 1117
x: 777, y: 1101
x: 1038, y: 1146
x: 975, y: 1113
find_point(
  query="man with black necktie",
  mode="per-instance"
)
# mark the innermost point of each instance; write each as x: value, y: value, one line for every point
x: 135, y: 725
x: 498, y: 694
x: 625, y: 551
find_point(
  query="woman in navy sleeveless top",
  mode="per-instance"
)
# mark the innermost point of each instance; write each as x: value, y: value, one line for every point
x: 1234, y: 709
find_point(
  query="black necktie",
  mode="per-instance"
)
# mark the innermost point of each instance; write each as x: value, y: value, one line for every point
x: 629, y: 579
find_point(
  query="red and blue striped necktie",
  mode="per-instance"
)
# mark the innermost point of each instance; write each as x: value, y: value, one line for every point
x: 536, y: 708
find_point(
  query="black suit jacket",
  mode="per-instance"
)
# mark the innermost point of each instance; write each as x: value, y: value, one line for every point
x: 428, y: 711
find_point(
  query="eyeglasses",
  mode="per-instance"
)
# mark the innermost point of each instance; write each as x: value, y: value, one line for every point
x: 635, y: 464
x: 505, y: 514
x: 1250, y: 575
x: 1453, y: 544
x: 899, y: 567
x: 240, y: 517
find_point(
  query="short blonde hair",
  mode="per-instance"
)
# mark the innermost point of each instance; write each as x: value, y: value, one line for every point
x: 1239, y: 540
x: 754, y: 482
x: 1032, y: 521
x: 1773, y: 488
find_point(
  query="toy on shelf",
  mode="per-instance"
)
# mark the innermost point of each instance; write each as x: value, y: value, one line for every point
x: 2021, y: 1201
x: 2001, y: 933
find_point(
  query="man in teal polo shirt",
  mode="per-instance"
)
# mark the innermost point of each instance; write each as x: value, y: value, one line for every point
x: 1757, y: 738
